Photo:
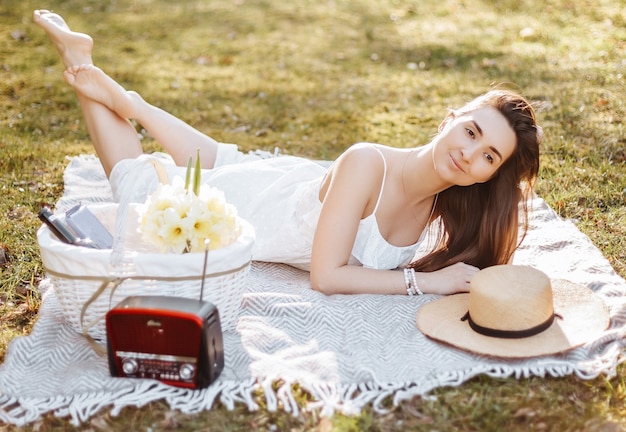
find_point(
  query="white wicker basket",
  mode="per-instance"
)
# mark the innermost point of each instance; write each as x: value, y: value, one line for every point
x: 78, y: 273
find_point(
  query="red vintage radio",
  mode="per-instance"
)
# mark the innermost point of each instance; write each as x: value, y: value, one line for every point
x: 175, y: 340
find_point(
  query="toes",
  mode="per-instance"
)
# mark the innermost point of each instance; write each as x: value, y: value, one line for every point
x: 69, y: 75
x: 84, y: 67
x: 39, y: 13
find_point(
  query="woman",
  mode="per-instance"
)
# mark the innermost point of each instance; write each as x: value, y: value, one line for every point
x: 353, y: 224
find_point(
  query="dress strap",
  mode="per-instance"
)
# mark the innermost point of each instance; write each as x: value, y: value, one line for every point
x: 382, y: 184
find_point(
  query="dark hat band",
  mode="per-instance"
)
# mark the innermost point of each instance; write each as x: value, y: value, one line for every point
x: 509, y: 334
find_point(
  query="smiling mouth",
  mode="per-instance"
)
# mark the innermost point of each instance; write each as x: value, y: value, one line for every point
x: 456, y: 164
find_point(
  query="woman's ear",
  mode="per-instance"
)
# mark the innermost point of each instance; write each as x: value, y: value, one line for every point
x: 449, y: 117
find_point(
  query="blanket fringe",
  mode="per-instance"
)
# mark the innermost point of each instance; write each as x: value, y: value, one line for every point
x: 351, y: 399
x: 79, y: 408
x: 328, y: 397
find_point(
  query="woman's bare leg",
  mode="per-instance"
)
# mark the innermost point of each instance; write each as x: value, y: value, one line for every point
x: 177, y: 137
x: 114, y: 138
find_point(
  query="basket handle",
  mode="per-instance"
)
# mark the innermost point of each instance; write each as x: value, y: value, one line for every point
x: 99, y: 349
x: 122, y: 266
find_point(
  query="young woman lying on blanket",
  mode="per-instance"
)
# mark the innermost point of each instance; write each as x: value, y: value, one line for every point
x: 353, y: 225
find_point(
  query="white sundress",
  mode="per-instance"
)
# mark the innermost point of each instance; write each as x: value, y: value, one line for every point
x: 279, y: 196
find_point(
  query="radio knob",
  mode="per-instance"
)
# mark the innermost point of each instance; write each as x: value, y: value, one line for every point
x: 186, y: 371
x: 129, y: 366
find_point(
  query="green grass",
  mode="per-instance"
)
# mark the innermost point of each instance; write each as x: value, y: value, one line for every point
x: 313, y: 77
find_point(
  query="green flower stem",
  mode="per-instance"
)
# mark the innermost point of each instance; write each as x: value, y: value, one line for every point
x: 188, y: 174
x: 197, y: 174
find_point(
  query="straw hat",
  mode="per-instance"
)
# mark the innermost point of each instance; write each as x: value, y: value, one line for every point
x: 515, y: 311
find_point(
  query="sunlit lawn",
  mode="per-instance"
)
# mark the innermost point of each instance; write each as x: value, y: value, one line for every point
x: 313, y: 77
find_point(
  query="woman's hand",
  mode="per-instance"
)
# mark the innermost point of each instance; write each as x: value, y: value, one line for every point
x: 449, y: 280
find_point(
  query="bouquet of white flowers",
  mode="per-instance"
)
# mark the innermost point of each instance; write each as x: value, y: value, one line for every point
x: 182, y: 216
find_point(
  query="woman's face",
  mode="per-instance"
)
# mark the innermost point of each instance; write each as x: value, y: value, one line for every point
x: 471, y: 147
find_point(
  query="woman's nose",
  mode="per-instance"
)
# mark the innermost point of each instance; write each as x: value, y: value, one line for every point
x: 467, y: 154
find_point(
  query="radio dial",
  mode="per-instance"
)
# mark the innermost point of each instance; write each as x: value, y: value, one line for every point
x: 129, y: 366
x: 186, y: 371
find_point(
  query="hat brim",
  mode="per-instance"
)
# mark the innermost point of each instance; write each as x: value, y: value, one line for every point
x: 584, y: 318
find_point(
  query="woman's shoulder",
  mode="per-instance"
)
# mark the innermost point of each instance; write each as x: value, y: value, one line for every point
x: 370, y: 155
x: 360, y: 167
x: 361, y: 158
x: 366, y: 147
x: 367, y: 152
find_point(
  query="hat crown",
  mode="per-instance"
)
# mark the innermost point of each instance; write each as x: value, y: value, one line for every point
x: 510, y: 298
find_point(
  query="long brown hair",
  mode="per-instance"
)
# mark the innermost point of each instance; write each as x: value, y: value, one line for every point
x: 480, y: 224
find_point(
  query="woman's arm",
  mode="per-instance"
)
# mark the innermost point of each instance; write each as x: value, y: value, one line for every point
x: 352, y: 192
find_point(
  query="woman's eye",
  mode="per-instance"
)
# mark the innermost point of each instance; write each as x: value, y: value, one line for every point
x: 489, y: 158
x: 470, y: 133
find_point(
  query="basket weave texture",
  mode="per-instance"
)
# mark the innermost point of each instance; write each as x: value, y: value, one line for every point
x: 77, y: 273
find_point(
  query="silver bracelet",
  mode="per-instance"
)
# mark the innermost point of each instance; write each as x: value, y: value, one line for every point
x: 408, y: 281
x: 411, y: 282
x: 416, y: 289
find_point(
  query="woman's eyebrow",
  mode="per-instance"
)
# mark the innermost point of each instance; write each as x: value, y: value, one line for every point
x: 478, y: 128
x: 495, y: 150
x: 480, y: 132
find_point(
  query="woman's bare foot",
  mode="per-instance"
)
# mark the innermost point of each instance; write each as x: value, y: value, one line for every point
x: 74, y: 48
x: 91, y: 82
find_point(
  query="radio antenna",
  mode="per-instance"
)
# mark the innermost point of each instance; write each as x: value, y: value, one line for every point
x: 206, y: 259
